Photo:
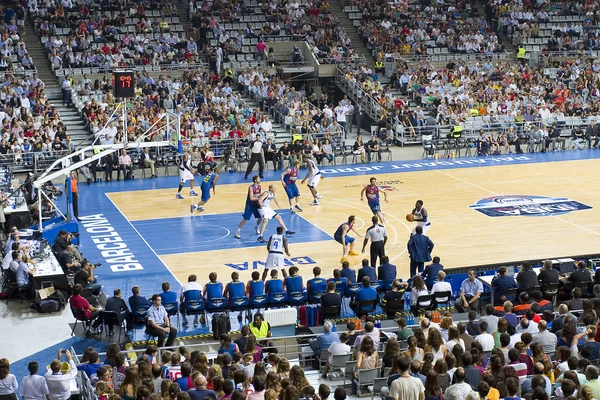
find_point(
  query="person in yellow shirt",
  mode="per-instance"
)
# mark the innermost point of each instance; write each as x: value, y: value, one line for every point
x: 164, y: 26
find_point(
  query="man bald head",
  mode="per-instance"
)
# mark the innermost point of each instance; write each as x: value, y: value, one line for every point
x: 542, y: 325
x: 200, y: 382
x: 563, y: 309
x: 538, y: 368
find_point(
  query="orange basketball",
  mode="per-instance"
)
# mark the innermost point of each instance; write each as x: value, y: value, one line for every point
x: 410, y: 217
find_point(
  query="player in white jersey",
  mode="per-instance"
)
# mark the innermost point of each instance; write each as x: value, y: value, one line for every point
x: 313, y: 177
x: 186, y: 173
x: 421, y: 217
x: 267, y: 213
x: 276, y: 246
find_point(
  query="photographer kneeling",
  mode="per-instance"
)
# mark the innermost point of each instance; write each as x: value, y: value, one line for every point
x: 85, y: 277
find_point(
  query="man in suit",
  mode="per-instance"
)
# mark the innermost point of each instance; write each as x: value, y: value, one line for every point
x: 271, y: 153
x: 527, y: 278
x: 348, y: 272
x: 548, y: 275
x: 386, y: 271
x: 117, y: 305
x: 503, y: 283
x: 582, y: 275
x: 137, y: 300
x: 591, y: 133
x: 419, y: 250
x: 148, y: 161
x: 367, y: 270
x: 431, y: 272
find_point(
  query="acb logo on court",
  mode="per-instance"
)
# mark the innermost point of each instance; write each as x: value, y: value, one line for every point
x: 529, y: 206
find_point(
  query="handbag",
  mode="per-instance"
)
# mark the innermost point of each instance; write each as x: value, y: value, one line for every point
x: 11, y: 396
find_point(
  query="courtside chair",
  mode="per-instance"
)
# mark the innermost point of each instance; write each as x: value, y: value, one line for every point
x: 172, y: 310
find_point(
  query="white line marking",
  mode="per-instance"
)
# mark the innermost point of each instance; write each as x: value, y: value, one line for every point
x: 143, y: 239
x: 498, y: 194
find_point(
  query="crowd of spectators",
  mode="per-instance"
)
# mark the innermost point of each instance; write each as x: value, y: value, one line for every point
x: 521, y: 20
x: 515, y: 350
x: 98, y: 35
x: 30, y: 123
x: 402, y: 28
x: 309, y: 21
x: 215, y: 117
x: 238, y: 373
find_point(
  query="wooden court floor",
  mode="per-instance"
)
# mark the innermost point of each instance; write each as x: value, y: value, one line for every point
x: 462, y: 235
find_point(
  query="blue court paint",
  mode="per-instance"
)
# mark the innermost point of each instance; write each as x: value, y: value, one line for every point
x: 215, y: 232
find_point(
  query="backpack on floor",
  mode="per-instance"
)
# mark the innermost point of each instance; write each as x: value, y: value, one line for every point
x: 220, y: 325
x: 48, y: 306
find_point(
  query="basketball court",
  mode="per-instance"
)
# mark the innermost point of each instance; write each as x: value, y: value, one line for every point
x: 482, y: 211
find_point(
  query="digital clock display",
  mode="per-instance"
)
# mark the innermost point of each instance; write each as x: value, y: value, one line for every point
x: 123, y: 84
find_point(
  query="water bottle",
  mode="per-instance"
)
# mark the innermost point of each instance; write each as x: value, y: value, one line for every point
x: 406, y: 301
x: 101, y: 328
x: 334, y: 328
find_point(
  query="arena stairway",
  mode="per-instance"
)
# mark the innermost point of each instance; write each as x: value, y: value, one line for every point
x: 76, y: 129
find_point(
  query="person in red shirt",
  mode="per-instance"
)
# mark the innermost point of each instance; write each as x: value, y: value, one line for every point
x: 105, y: 49
x: 215, y: 133
x: 77, y: 302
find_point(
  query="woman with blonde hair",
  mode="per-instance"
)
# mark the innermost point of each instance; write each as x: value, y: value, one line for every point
x: 213, y: 372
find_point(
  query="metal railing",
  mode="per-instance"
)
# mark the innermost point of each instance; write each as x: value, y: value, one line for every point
x: 369, y: 105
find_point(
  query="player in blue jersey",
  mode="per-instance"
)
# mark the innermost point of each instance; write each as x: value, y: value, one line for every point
x: 255, y: 286
x: 347, y: 242
x: 288, y: 180
x: 372, y: 192
x: 251, y: 209
x: 209, y: 182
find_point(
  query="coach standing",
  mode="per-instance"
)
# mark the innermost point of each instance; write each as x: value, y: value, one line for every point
x: 419, y: 249
x: 256, y: 156
x: 378, y: 236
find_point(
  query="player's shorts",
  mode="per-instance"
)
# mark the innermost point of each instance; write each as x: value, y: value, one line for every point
x: 185, y: 175
x: 314, y: 180
x: 250, y: 210
x: 267, y: 212
x: 375, y: 207
x: 275, y: 260
x: 291, y: 189
x: 348, y: 239
x: 205, y: 196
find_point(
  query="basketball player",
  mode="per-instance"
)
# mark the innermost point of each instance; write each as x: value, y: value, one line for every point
x: 209, y: 182
x: 254, y: 192
x: 288, y: 180
x: 372, y: 192
x: 421, y: 217
x: 276, y: 246
x: 314, y: 177
x: 347, y: 242
x: 186, y: 173
x: 267, y: 213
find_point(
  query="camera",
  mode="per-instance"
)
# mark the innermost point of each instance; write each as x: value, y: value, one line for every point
x: 63, y: 351
x: 96, y: 265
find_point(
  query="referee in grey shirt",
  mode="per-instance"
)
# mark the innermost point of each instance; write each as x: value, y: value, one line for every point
x: 378, y: 236
x: 256, y: 156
